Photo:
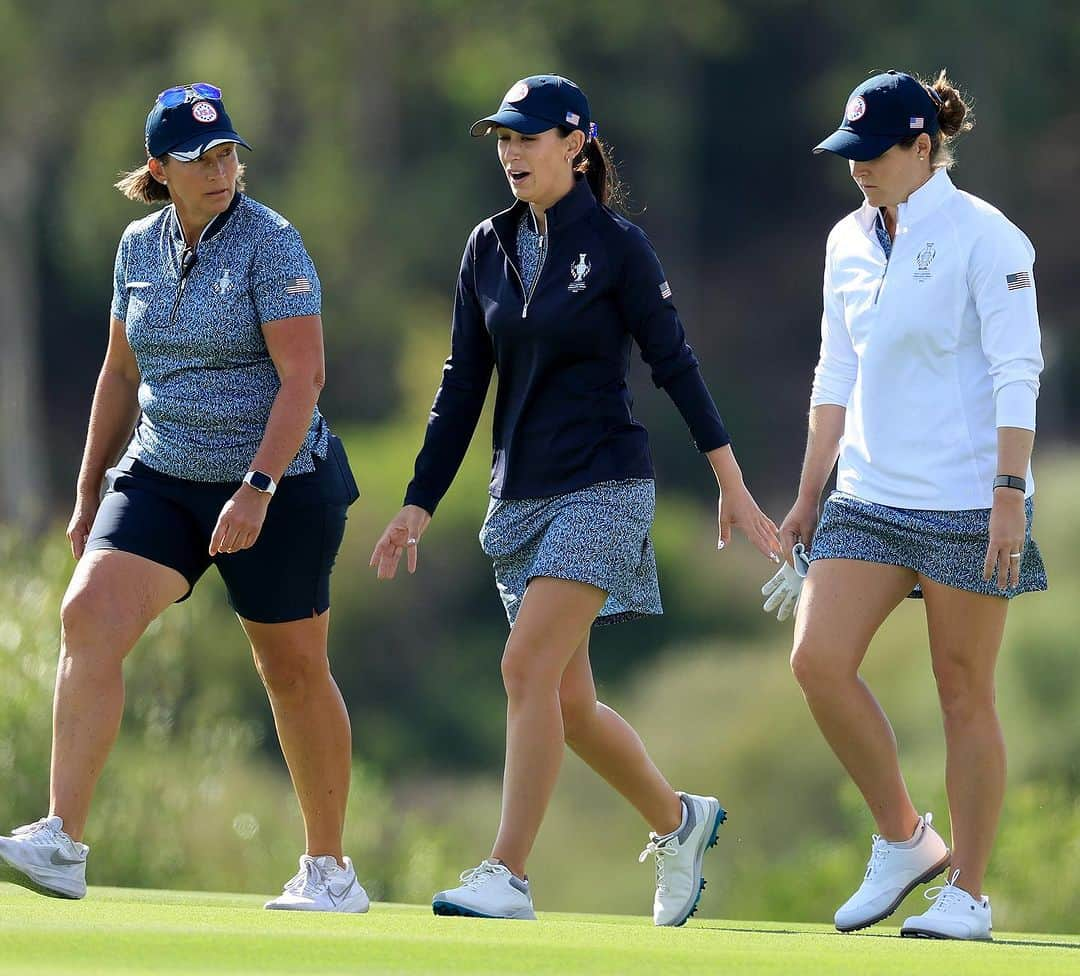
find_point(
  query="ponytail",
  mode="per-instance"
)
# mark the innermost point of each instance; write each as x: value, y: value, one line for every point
x: 140, y: 185
x: 953, y: 117
x: 596, y: 163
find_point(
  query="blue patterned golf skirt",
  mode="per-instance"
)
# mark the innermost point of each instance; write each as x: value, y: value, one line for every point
x: 598, y: 535
x: 947, y: 547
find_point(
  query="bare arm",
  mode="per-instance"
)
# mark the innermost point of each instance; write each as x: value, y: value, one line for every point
x: 1008, y: 518
x: 113, y: 413
x: 822, y: 449
x: 737, y: 505
x: 296, y: 347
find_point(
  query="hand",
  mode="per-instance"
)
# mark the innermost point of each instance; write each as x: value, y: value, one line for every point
x: 240, y: 521
x: 784, y: 589
x: 1008, y: 528
x: 799, y: 526
x: 401, y: 535
x: 737, y: 507
x: 82, y: 518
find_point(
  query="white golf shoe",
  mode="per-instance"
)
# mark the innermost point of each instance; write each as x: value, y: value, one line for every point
x: 489, y: 890
x: 954, y: 914
x: 322, y: 885
x: 41, y: 857
x: 892, y: 873
x: 679, y: 882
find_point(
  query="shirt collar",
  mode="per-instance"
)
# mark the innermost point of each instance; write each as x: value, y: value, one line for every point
x: 211, y: 228
x: 919, y: 204
x: 578, y: 202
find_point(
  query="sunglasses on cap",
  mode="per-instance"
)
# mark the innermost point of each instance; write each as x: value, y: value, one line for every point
x: 188, y: 93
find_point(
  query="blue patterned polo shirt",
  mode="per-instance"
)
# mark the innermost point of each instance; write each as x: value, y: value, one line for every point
x: 194, y: 319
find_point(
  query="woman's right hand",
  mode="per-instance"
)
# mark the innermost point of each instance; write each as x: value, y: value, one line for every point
x: 401, y: 535
x: 82, y: 518
x: 798, y: 526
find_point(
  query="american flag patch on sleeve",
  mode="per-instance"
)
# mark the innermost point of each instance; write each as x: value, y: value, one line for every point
x: 1022, y: 279
x: 297, y: 286
x: 665, y: 290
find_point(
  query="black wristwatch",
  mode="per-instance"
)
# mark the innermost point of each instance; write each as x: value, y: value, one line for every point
x: 260, y: 481
x: 1010, y: 481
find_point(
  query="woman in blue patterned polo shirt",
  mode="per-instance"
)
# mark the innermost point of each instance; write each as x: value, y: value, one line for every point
x: 215, y: 358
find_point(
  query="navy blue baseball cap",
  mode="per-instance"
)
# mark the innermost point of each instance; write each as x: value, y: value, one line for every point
x: 879, y: 113
x: 188, y: 120
x: 537, y: 104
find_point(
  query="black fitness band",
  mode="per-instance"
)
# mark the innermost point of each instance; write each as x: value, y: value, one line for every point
x: 1009, y: 481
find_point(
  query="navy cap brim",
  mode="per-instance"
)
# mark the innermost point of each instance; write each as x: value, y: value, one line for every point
x: 528, y: 125
x: 194, y: 148
x: 852, y: 145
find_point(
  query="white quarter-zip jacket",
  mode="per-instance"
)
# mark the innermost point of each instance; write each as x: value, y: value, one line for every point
x: 931, y: 350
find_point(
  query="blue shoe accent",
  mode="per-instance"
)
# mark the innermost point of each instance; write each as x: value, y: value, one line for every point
x: 449, y: 908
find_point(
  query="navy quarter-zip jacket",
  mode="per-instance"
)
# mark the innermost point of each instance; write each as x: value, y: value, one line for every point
x: 563, y: 415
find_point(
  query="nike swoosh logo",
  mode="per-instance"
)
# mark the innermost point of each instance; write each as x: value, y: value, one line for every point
x: 337, y: 897
x: 58, y: 858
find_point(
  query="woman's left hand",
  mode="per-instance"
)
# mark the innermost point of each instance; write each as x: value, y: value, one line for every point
x: 240, y: 521
x: 738, y: 508
x: 1008, y: 528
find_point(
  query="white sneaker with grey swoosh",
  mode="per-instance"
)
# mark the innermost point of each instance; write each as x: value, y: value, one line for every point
x: 41, y: 857
x: 322, y: 885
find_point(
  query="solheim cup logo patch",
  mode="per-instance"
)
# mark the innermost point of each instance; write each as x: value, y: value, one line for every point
x: 204, y: 112
x: 923, y: 260
x: 579, y: 270
x: 517, y: 93
x: 856, y: 109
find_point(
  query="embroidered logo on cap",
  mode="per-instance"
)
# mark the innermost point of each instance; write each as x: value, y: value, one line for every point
x: 573, y: 118
x: 517, y: 93
x: 856, y: 109
x: 916, y: 122
x: 665, y: 290
x: 204, y: 112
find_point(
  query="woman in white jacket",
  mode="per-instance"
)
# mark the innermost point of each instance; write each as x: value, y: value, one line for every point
x: 925, y: 391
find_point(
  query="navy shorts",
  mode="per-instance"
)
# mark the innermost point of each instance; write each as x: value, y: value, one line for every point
x: 284, y: 576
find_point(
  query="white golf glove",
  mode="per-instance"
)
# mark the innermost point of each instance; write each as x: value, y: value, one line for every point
x: 784, y: 588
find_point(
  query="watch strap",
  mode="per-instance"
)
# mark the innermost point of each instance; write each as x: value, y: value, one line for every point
x: 1010, y: 481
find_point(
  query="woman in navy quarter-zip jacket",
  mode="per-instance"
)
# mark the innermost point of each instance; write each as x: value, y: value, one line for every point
x: 552, y: 294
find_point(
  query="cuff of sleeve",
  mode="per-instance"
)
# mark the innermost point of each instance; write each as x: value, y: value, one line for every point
x: 1014, y: 406
x: 420, y: 498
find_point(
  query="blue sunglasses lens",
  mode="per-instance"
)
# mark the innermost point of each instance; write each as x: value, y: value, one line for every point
x: 172, y: 97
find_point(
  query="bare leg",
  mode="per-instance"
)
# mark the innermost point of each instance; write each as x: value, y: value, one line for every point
x: 312, y: 723
x: 608, y: 743
x: 965, y: 636
x: 111, y: 599
x: 844, y: 601
x: 554, y: 618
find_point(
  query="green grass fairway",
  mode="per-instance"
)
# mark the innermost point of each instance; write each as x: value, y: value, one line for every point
x: 123, y: 931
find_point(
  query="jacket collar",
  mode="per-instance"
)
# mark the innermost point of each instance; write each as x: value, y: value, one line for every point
x: 211, y: 228
x: 923, y: 202
x: 578, y: 202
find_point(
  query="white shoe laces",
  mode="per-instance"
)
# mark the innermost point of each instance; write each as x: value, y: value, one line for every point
x: 39, y: 832
x: 475, y: 878
x: 659, y: 849
x: 309, y: 881
x: 947, y: 896
x: 879, y: 853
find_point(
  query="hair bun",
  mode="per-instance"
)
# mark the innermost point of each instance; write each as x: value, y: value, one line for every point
x: 954, y: 114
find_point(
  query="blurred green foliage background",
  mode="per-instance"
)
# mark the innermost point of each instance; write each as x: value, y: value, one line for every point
x: 359, y: 113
